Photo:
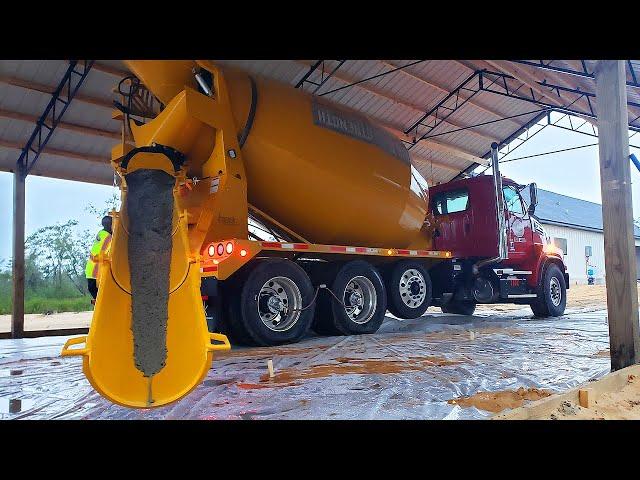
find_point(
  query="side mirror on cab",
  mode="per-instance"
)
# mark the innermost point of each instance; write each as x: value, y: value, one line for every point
x: 533, y: 197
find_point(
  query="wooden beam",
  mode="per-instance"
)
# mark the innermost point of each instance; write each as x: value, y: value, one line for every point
x: 617, y: 213
x: 584, y: 84
x: 530, y: 77
x: 428, y: 163
x: 39, y: 87
x: 17, y: 295
x: 418, y: 109
x: 456, y: 152
x: 445, y: 90
x: 64, y: 125
x: 59, y: 153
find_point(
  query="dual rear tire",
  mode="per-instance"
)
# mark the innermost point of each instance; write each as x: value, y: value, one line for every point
x: 270, y: 302
x: 266, y: 304
x: 356, y: 303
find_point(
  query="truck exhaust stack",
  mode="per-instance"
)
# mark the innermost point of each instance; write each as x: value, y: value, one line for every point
x: 501, y: 233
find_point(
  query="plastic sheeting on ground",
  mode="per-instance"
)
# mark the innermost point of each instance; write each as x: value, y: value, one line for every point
x: 408, y: 370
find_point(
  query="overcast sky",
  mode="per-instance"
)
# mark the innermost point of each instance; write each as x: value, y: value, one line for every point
x: 574, y: 173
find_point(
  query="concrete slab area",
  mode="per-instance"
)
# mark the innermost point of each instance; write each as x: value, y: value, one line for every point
x: 408, y: 370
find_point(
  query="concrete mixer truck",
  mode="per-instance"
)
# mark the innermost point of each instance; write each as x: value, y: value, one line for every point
x: 344, y: 232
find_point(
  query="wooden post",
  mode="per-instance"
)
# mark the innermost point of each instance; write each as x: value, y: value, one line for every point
x: 617, y: 212
x: 17, y: 313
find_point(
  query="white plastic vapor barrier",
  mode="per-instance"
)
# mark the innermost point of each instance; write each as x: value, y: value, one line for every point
x: 408, y: 370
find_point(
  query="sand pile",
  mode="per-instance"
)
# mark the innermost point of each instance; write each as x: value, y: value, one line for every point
x: 498, y: 401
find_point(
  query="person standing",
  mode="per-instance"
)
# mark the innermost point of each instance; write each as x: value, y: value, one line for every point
x: 100, y: 245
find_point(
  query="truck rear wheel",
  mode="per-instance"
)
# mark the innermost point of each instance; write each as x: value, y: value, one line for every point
x: 360, y: 305
x: 463, y: 307
x: 268, y: 309
x: 552, y: 295
x: 408, y: 289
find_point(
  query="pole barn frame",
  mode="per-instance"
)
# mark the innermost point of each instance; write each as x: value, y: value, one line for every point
x: 51, y: 117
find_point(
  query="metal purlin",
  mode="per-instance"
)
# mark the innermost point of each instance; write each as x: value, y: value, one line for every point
x: 45, y: 126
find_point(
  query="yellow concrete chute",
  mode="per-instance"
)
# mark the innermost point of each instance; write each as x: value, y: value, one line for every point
x: 148, y: 344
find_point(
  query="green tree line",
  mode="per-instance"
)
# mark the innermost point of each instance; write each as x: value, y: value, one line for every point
x: 55, y: 259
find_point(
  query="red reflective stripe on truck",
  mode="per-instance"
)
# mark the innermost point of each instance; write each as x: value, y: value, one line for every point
x: 361, y: 249
x: 213, y: 268
x: 301, y: 246
x: 271, y: 244
x: 334, y: 248
x: 403, y: 252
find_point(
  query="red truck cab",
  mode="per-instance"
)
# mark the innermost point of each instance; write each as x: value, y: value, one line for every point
x: 462, y: 219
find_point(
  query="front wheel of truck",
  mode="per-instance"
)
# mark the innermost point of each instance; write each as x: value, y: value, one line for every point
x: 552, y: 294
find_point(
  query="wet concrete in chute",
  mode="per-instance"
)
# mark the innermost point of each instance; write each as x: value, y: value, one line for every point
x: 149, y: 203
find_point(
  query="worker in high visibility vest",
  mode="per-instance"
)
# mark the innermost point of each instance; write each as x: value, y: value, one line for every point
x: 100, y: 245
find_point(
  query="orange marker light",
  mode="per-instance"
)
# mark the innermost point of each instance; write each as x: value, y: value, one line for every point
x: 243, y: 253
x: 389, y: 252
x: 215, y: 262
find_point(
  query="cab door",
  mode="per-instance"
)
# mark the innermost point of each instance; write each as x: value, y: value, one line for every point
x: 453, y: 219
x: 519, y: 234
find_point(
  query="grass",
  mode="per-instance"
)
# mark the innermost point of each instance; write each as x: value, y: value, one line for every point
x: 43, y: 305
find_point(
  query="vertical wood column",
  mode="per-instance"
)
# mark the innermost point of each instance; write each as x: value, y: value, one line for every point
x: 17, y: 313
x: 617, y: 212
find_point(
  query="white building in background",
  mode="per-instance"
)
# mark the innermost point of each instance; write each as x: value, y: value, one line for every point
x: 575, y: 226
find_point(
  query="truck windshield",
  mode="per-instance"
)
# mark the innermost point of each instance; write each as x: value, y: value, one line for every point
x: 512, y: 199
x: 450, y: 202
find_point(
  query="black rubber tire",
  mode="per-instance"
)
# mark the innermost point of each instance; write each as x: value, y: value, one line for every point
x: 394, y: 299
x: 543, y: 306
x: 231, y: 324
x: 332, y: 318
x: 245, y: 323
x: 463, y: 307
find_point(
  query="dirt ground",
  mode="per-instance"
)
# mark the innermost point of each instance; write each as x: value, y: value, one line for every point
x: 36, y: 321
x: 620, y: 405
x: 498, y: 401
x: 578, y: 297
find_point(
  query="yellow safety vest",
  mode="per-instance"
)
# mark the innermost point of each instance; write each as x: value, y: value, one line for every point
x: 101, y: 244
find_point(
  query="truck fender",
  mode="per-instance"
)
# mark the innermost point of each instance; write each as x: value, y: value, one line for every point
x: 547, y: 260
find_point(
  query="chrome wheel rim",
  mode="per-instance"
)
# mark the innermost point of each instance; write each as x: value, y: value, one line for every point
x: 360, y: 299
x: 555, y: 291
x: 412, y: 288
x: 279, y: 303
